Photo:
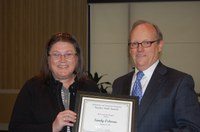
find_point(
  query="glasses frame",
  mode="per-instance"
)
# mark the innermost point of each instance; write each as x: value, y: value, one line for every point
x: 57, y: 56
x: 144, y: 44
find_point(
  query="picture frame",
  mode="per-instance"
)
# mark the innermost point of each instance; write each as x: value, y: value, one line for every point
x: 97, y: 112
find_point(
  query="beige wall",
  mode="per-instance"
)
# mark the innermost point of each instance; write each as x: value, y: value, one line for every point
x: 109, y: 35
x: 179, y: 22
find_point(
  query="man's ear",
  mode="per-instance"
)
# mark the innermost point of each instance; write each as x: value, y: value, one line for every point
x: 161, y: 45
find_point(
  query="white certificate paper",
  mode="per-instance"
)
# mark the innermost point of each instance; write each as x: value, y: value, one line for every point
x: 105, y: 114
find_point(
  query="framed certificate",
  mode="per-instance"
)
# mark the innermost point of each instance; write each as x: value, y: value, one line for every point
x: 105, y: 113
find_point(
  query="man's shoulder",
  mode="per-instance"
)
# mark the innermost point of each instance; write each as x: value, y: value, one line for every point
x: 126, y: 76
x: 170, y: 70
x: 176, y: 72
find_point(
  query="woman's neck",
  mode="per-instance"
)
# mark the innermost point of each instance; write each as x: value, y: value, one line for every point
x: 68, y: 81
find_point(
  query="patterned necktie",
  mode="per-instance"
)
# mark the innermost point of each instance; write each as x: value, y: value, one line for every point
x: 137, y: 88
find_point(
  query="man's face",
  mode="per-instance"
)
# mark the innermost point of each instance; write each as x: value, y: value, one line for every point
x: 142, y: 57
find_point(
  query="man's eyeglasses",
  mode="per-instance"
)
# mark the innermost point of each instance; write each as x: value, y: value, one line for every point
x: 144, y: 44
x: 57, y: 56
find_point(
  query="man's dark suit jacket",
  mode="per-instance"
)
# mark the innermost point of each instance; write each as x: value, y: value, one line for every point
x: 169, y: 103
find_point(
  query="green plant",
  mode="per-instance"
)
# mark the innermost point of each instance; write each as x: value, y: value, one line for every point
x: 103, y: 86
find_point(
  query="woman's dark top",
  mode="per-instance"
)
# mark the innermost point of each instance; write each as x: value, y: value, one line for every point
x: 39, y: 102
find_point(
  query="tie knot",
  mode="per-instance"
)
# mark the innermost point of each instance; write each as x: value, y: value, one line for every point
x: 140, y: 74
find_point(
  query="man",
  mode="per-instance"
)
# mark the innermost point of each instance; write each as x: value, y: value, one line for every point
x: 169, y: 102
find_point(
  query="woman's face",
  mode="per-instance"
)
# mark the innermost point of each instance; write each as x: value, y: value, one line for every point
x: 62, y: 60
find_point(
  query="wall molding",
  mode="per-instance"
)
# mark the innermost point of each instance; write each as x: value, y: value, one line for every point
x: 3, y: 126
x: 9, y: 91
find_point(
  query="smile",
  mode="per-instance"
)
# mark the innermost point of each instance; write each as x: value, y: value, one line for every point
x: 63, y: 66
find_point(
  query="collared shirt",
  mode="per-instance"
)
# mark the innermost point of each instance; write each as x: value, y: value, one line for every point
x: 65, y: 94
x: 146, y: 78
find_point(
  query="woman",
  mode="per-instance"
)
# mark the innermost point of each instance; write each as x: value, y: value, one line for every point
x: 46, y: 102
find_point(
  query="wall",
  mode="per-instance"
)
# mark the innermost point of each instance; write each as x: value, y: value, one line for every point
x: 109, y: 35
x: 179, y: 22
x: 7, y: 100
x: 25, y: 27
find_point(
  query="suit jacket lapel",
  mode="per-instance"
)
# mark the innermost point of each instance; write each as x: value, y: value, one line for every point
x: 152, y: 90
x: 127, y: 84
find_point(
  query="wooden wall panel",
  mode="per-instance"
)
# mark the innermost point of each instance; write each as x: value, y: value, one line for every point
x: 25, y: 27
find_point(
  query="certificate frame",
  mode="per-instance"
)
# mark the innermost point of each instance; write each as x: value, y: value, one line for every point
x: 97, y: 112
